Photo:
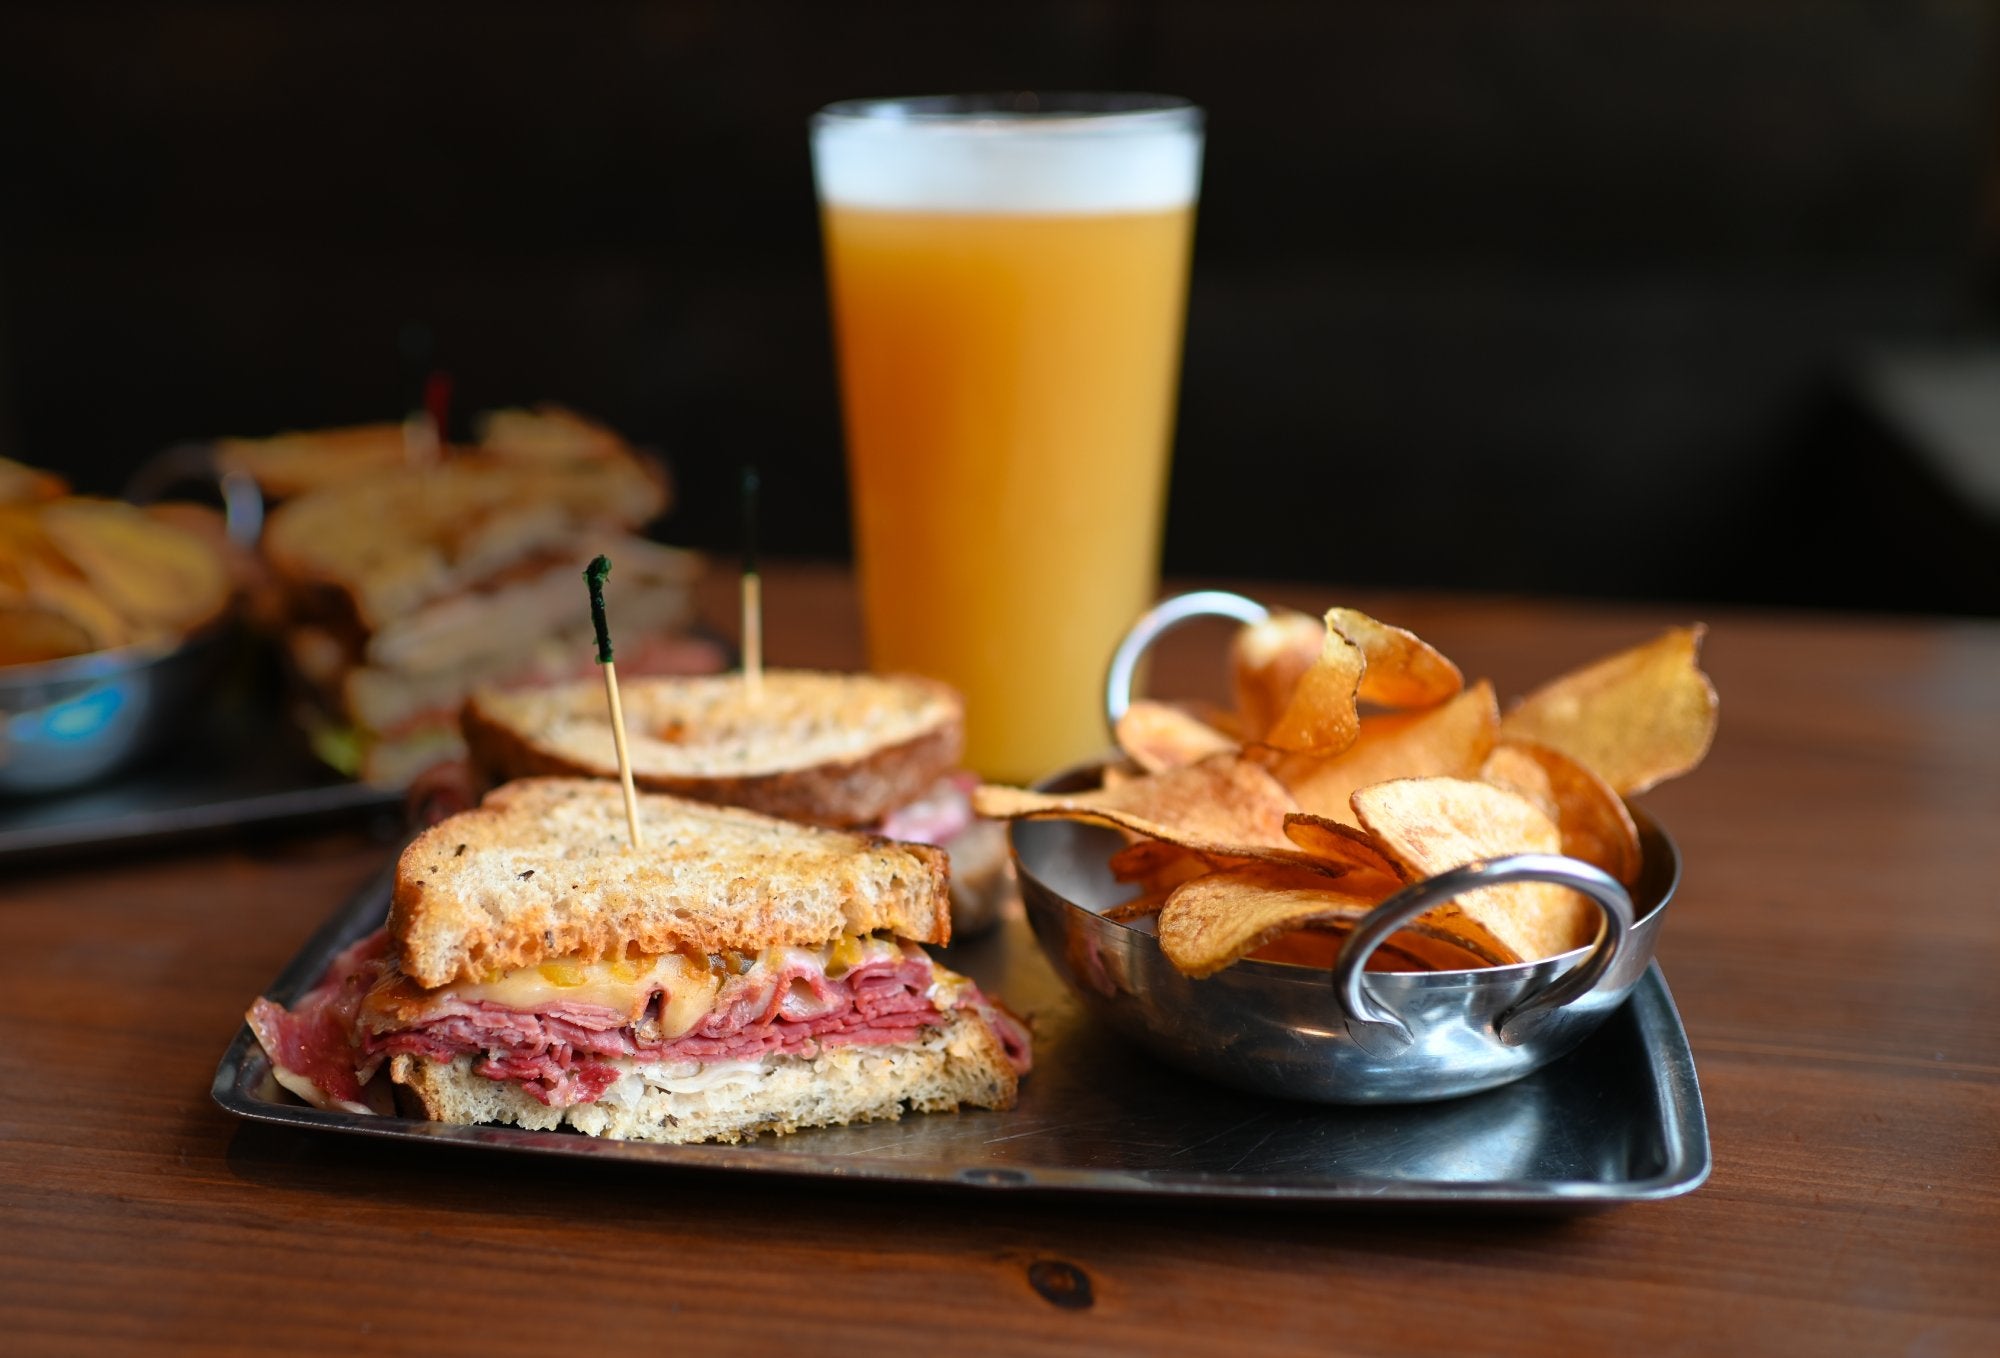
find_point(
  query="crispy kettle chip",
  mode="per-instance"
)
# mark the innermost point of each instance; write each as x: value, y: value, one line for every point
x: 1323, y: 716
x: 1266, y: 661
x: 1156, y: 868
x: 21, y: 484
x: 30, y: 634
x: 1319, y: 945
x: 1431, y: 824
x: 1449, y: 740
x: 1210, y: 922
x: 1404, y: 670
x: 157, y: 574
x: 1143, y: 859
x: 1511, y: 766
x: 1158, y: 736
x: 35, y: 574
x: 1635, y: 718
x: 1334, y: 842
x: 1223, y: 805
x: 1596, y: 826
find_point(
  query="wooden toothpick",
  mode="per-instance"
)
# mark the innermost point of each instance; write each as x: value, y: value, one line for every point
x: 593, y: 576
x: 753, y: 594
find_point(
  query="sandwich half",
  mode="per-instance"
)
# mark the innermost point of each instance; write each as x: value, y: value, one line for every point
x: 396, y: 593
x: 877, y: 753
x: 737, y: 975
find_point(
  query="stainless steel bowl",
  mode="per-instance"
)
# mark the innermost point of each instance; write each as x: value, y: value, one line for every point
x: 66, y: 723
x: 1345, y: 1036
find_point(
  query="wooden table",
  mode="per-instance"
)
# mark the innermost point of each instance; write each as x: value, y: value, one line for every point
x: 1834, y: 952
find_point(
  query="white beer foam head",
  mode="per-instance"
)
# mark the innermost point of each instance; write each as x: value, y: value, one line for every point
x: 1124, y: 162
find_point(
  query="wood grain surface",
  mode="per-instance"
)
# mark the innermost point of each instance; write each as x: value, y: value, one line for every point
x: 1834, y: 952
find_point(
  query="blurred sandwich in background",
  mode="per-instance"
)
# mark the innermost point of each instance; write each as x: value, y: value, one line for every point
x: 302, y: 461
x: 397, y: 586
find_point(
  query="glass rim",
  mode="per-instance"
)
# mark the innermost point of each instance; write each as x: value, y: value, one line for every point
x: 1093, y: 110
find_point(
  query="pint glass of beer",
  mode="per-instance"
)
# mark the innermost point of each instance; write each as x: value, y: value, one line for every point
x: 1009, y: 282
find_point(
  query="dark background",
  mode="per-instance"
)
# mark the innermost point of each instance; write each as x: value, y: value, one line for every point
x: 1572, y: 297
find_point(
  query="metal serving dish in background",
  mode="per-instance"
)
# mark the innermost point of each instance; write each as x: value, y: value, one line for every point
x: 66, y: 723
x: 1345, y: 1036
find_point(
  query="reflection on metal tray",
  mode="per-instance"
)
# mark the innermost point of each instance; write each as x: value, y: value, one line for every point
x: 1617, y: 1120
x: 241, y: 761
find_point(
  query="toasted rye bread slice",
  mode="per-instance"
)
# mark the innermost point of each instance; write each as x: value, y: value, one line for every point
x: 959, y: 1064
x: 544, y: 868
x: 828, y: 749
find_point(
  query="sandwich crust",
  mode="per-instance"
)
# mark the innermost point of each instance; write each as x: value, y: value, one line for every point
x: 543, y: 868
x: 831, y: 749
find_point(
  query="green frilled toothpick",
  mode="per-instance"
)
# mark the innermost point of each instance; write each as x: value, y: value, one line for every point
x: 593, y: 576
x: 753, y: 594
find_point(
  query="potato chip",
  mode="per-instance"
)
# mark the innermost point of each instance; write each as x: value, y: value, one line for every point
x: 158, y: 575
x: 1595, y: 823
x: 1143, y: 858
x: 1158, y: 736
x: 1333, y: 842
x: 30, y: 635
x: 1431, y: 824
x: 1511, y: 766
x: 1221, y: 718
x: 1314, y: 946
x: 1403, y: 669
x: 1635, y: 718
x: 1117, y: 775
x: 1447, y: 741
x: 21, y: 484
x: 1139, y: 907
x: 1222, y: 805
x: 1421, y: 949
x: 1266, y: 661
x: 1406, y: 950
x: 1323, y: 716
x: 1167, y: 866
x: 1212, y: 921
x: 34, y: 575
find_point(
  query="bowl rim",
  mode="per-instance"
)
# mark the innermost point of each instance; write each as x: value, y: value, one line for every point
x: 112, y: 662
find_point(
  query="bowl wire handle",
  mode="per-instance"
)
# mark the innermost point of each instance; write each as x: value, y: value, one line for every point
x: 1156, y: 622
x: 192, y: 464
x: 1379, y: 1030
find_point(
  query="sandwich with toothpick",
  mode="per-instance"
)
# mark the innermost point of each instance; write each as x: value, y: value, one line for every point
x: 876, y: 753
x: 736, y: 975
x: 865, y: 752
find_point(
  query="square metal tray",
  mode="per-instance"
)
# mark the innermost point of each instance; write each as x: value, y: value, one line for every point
x: 1618, y: 1120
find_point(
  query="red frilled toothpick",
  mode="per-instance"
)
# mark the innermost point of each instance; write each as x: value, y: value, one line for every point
x: 593, y: 576
x: 424, y: 430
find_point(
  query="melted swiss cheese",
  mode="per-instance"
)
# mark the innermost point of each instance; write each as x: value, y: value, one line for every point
x: 625, y: 985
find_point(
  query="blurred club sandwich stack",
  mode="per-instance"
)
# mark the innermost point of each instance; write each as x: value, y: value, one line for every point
x: 403, y: 573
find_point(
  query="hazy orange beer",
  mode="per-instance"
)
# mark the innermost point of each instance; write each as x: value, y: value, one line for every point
x: 1009, y: 287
